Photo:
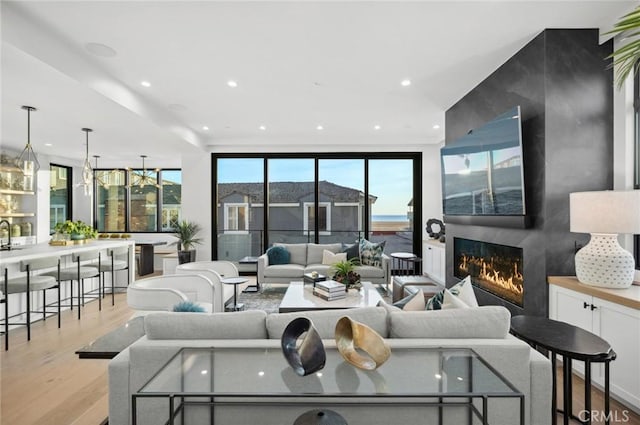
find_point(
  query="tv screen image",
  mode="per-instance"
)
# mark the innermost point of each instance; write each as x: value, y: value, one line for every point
x: 482, y: 172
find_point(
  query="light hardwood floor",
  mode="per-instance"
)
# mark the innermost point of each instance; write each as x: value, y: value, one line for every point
x: 44, y: 383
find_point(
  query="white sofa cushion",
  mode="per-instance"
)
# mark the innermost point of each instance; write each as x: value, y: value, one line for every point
x: 285, y: 271
x: 239, y: 325
x: 479, y: 322
x: 314, y: 251
x: 325, y: 320
x: 298, y: 252
x: 320, y: 268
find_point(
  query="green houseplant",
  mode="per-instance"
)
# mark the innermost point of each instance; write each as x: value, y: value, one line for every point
x: 344, y: 272
x: 186, y: 232
x: 77, y: 230
x: 626, y: 58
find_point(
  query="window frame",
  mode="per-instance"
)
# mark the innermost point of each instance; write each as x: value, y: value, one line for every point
x: 636, y: 168
x: 68, y: 176
x: 127, y: 200
x: 235, y: 205
x: 305, y: 218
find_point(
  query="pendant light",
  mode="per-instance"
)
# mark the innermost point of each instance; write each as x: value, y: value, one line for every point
x: 87, y: 171
x: 105, y: 179
x: 145, y: 178
x: 27, y: 161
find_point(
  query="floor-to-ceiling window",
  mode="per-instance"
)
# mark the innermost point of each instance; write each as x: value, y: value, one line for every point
x: 59, y: 195
x: 323, y: 198
x: 240, y: 207
x: 137, y: 200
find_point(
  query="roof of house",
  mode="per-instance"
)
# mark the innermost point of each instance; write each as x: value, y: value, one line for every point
x: 283, y: 192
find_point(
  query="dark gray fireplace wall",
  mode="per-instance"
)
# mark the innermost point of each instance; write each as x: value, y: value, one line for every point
x: 561, y: 82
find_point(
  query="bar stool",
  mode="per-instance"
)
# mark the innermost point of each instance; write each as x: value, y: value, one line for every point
x: 27, y: 284
x: 113, y: 265
x: 79, y: 273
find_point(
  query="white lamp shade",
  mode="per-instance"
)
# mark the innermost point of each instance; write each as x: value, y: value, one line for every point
x: 608, y: 211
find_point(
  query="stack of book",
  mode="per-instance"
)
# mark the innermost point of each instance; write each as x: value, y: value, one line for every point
x: 330, y: 290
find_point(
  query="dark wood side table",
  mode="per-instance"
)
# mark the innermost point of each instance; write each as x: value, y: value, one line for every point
x: 572, y: 343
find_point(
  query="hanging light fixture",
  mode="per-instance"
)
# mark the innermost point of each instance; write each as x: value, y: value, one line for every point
x: 145, y: 178
x: 104, y: 179
x: 87, y: 171
x: 27, y: 161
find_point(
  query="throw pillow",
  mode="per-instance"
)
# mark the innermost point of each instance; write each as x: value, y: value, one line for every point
x: 329, y: 258
x: 450, y: 301
x: 388, y: 307
x: 371, y: 253
x: 353, y: 252
x: 278, y: 255
x: 188, y: 307
x: 463, y: 290
x: 413, y: 302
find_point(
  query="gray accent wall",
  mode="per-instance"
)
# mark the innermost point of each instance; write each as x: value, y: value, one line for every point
x: 561, y: 82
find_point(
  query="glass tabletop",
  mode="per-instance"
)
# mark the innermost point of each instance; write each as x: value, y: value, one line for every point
x: 265, y: 372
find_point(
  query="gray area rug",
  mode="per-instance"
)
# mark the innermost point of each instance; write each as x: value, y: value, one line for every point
x: 270, y: 297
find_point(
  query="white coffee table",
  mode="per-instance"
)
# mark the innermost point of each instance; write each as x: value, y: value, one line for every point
x: 299, y: 297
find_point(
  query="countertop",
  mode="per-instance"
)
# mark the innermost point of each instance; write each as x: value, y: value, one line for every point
x: 29, y: 252
x: 629, y: 297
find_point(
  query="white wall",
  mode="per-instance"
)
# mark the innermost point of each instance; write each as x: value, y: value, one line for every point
x: 196, y: 197
x: 431, y: 185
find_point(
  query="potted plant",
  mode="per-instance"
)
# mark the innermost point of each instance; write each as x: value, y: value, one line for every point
x: 344, y: 272
x: 186, y: 232
x: 627, y: 57
x: 77, y: 230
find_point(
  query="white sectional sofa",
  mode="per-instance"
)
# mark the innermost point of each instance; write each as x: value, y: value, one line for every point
x: 307, y: 258
x: 484, y: 329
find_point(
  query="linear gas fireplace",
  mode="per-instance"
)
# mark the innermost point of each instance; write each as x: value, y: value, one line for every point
x: 494, y: 268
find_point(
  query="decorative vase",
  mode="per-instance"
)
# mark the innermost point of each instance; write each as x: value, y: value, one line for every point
x: 353, y: 338
x: 77, y: 236
x: 309, y: 356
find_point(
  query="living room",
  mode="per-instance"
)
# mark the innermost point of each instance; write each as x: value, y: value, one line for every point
x: 349, y: 93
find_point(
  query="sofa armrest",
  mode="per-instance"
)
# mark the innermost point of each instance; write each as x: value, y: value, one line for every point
x: 119, y: 389
x: 263, y: 263
x: 541, y: 382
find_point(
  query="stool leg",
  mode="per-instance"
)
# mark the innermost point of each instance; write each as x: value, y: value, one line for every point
x: 59, y: 305
x: 100, y: 291
x: 6, y: 310
x: 44, y: 305
x: 79, y: 296
x: 28, y: 304
x: 71, y: 293
x: 587, y: 390
x: 113, y: 284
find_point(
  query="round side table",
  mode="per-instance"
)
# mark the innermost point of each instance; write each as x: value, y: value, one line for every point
x: 235, y: 281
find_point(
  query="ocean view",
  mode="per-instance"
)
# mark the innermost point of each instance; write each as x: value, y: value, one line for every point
x: 402, y: 217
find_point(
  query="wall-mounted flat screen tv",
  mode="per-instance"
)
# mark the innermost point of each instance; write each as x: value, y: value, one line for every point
x: 482, y: 173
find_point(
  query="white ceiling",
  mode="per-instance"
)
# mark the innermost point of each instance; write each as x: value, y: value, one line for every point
x: 297, y: 64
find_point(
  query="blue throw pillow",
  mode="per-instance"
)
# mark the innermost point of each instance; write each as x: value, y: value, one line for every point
x: 353, y: 252
x: 278, y: 255
x: 188, y: 307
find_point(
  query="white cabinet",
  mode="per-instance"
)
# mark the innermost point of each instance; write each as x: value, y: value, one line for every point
x: 617, y: 324
x: 434, y: 260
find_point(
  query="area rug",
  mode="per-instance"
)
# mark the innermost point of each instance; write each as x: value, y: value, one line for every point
x: 270, y: 296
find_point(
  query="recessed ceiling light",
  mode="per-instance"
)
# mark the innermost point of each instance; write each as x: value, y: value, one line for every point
x: 232, y: 83
x: 145, y: 84
x: 405, y: 83
x: 436, y: 127
x: 376, y: 127
x: 319, y: 127
x: 99, y: 49
x: 205, y: 128
x: 48, y: 144
x: 263, y: 127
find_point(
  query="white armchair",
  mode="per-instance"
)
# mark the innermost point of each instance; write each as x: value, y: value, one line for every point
x: 162, y: 293
x: 215, y: 271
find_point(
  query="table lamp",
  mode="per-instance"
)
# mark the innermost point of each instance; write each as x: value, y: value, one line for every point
x: 605, y: 214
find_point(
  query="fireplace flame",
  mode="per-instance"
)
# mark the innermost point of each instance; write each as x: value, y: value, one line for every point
x: 512, y: 282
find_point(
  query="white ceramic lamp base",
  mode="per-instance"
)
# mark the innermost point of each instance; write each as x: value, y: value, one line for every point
x: 603, y: 262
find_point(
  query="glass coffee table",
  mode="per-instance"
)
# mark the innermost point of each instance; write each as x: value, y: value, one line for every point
x: 256, y: 385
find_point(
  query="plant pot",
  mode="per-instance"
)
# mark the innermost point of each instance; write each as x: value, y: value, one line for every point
x: 186, y: 256
x: 77, y: 236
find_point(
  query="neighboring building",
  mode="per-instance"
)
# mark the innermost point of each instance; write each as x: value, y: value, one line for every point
x: 291, y: 215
